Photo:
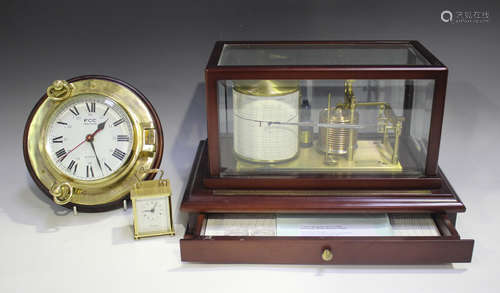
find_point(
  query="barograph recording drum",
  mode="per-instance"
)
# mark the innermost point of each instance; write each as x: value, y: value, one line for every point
x: 259, y: 108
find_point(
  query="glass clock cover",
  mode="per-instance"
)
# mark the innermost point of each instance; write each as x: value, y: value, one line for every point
x: 89, y: 137
x: 152, y: 215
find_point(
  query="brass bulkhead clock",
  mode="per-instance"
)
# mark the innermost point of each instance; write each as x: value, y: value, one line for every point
x: 86, y: 139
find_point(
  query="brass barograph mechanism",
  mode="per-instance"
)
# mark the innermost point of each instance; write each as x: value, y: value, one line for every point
x: 337, y: 142
x: 344, y: 140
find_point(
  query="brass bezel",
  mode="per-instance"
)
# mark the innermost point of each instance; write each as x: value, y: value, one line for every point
x: 91, y: 184
x: 115, y: 187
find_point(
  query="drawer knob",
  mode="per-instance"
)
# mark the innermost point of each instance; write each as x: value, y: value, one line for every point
x: 327, y: 254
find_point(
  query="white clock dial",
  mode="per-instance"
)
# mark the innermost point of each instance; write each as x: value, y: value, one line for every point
x: 152, y: 215
x: 90, y: 137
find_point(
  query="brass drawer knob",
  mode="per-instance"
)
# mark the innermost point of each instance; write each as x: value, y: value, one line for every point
x: 327, y: 254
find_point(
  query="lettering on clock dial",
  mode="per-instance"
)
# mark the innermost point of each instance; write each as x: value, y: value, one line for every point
x: 90, y: 137
x: 74, y: 110
x: 118, y: 122
x: 118, y: 154
x: 122, y: 137
x: 60, y: 154
x: 90, y: 171
x: 90, y: 107
x: 58, y: 139
x: 71, y: 165
x: 107, y: 166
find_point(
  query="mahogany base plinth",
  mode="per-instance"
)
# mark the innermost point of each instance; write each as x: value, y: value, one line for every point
x: 442, y: 203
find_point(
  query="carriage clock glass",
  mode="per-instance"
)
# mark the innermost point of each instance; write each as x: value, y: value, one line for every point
x: 300, y: 133
x: 87, y: 137
x: 152, y: 206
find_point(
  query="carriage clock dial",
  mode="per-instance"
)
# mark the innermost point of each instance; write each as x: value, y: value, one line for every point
x: 152, y: 217
x: 87, y: 137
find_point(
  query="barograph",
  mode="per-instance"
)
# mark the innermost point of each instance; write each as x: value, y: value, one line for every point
x: 323, y: 152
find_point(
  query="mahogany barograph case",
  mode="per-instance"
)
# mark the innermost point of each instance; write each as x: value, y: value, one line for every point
x: 322, y: 153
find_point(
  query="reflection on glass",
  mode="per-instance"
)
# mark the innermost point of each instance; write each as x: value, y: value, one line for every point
x: 320, y: 54
x: 324, y: 126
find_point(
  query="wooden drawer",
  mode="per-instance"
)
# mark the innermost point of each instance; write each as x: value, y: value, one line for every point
x: 447, y: 248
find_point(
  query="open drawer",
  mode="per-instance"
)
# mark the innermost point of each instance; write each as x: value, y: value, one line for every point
x: 445, y: 246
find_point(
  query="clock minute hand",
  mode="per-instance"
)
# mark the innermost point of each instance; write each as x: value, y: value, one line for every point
x: 97, y: 158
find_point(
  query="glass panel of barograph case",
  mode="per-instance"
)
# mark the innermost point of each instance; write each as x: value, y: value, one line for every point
x: 341, y: 127
x: 320, y: 54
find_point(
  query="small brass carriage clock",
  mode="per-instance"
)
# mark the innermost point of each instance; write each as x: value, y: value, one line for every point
x: 87, y: 137
x: 152, y: 205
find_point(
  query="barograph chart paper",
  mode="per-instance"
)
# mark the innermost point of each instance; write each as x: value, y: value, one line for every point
x: 255, y: 138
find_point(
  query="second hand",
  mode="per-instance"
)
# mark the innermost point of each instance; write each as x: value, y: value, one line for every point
x: 63, y: 157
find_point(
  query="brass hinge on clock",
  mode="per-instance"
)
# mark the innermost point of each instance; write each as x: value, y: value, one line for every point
x: 148, y: 138
x: 62, y: 193
x: 59, y: 90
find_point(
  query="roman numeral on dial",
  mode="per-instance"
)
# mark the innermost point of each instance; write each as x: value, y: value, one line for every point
x: 74, y: 110
x: 71, y: 165
x: 61, y: 153
x: 91, y: 107
x: 118, y: 154
x: 58, y: 139
x: 90, y: 171
x: 122, y: 138
x: 105, y: 112
x: 118, y: 122
x: 107, y: 166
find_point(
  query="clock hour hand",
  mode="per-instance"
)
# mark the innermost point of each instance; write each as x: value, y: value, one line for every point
x: 100, y: 127
x: 152, y: 210
x: 97, y: 158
